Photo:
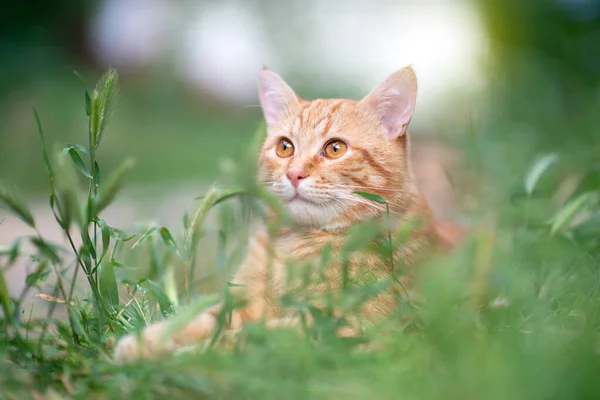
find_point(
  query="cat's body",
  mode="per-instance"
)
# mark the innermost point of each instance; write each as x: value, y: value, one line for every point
x: 316, y: 155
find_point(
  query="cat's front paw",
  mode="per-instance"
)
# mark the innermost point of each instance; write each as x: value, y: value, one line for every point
x: 152, y: 344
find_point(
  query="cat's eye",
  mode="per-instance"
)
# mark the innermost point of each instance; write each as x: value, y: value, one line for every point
x: 335, y: 149
x: 284, y: 148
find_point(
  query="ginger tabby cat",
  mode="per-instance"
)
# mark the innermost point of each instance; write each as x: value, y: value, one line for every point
x: 315, y: 156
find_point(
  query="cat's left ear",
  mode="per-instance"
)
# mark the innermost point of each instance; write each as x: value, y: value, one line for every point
x: 393, y: 102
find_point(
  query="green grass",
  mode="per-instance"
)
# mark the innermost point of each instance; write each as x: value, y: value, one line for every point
x: 513, y: 313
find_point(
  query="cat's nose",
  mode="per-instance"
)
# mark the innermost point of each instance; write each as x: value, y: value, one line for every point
x: 295, y: 176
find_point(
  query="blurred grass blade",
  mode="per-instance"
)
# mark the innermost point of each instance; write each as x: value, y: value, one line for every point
x: 13, y: 251
x: 111, y: 186
x: 166, y: 307
x: 105, y: 229
x: 16, y: 205
x: 87, y: 242
x: 566, y: 214
x: 88, y: 100
x: 103, y: 101
x: 39, y: 275
x: 47, y: 164
x: 108, y: 285
x: 167, y: 238
x: 120, y: 235
x: 67, y: 201
x: 372, y: 197
x: 536, y: 171
x: 145, y: 236
x: 5, y: 298
x: 50, y: 251
x: 170, y: 284
x: 359, y: 236
x: 193, y: 232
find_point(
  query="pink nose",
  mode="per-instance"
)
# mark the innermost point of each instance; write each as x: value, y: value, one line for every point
x: 295, y: 176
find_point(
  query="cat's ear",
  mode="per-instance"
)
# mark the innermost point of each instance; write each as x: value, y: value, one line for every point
x: 393, y: 102
x: 276, y: 97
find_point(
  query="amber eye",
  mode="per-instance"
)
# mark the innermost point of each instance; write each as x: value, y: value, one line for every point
x: 284, y: 148
x: 335, y: 149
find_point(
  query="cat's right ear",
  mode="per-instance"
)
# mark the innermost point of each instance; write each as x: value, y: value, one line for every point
x: 393, y: 102
x: 276, y: 97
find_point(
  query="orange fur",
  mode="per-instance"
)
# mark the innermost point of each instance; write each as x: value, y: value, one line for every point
x: 323, y: 205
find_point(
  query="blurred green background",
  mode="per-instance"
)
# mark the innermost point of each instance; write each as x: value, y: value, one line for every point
x: 499, y: 79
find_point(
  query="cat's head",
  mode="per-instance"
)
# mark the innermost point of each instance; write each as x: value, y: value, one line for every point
x: 318, y: 153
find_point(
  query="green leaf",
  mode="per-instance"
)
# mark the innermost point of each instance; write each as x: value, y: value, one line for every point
x: 16, y: 205
x: 145, y: 236
x: 106, y: 230
x: 79, y: 148
x: 166, y: 307
x: 169, y: 241
x: 536, y: 171
x: 372, y: 197
x: 87, y: 242
x: 108, y: 285
x: 120, y: 235
x: 78, y: 162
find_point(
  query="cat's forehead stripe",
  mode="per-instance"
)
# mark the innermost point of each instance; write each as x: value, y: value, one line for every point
x: 312, y: 110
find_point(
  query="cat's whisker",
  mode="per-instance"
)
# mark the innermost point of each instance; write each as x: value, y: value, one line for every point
x: 367, y: 187
x: 357, y: 199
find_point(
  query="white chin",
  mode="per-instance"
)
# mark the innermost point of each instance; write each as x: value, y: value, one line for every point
x: 309, y: 213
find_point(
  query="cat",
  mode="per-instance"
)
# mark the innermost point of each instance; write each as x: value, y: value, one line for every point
x: 315, y: 156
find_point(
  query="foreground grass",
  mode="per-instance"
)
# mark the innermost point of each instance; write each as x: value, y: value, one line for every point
x: 513, y: 313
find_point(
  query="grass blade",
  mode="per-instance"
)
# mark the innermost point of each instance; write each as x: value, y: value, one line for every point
x: 16, y: 205
x: 112, y: 184
x: 108, y: 285
x: 193, y: 232
x: 166, y: 307
x: 372, y: 197
x: 537, y: 170
x: 568, y: 212
x: 47, y: 164
x: 78, y: 162
x: 145, y: 236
